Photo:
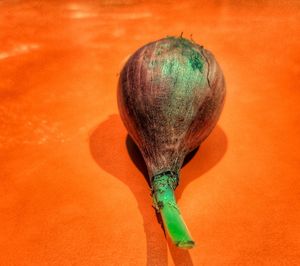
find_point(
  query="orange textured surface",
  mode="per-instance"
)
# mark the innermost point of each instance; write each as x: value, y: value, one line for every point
x: 72, y: 189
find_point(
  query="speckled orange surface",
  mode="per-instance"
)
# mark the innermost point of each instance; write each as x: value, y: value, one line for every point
x: 72, y: 190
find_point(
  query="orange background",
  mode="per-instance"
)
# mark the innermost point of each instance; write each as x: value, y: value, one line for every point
x: 72, y: 190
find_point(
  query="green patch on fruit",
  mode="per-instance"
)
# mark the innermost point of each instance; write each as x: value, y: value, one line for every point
x: 180, y: 72
x: 196, y: 62
x: 170, y: 67
x: 179, y: 75
x: 186, y: 46
x: 179, y: 66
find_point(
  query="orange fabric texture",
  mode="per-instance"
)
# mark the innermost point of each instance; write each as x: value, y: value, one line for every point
x: 72, y: 187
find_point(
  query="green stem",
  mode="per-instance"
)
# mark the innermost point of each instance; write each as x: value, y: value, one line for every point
x: 163, y: 186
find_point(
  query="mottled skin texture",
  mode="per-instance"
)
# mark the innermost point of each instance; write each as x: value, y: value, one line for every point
x: 170, y: 96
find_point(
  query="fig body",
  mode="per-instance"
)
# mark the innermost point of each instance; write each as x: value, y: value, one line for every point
x: 170, y: 96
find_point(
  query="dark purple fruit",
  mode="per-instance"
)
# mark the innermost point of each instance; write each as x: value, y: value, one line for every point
x: 170, y: 95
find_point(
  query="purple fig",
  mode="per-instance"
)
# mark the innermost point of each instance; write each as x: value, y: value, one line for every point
x: 170, y: 96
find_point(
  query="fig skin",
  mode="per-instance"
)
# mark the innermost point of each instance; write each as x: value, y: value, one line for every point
x: 170, y: 95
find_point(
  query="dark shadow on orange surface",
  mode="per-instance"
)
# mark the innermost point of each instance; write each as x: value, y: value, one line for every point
x: 113, y: 150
